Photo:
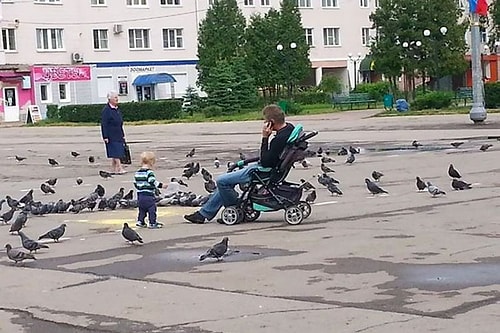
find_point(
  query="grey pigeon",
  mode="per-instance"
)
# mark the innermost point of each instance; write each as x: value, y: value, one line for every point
x: 30, y: 244
x: 342, y: 151
x: 53, y: 162
x: 460, y: 185
x: 20, y: 158
x: 453, y: 173
x: 188, y: 173
x: 326, y: 159
x: 51, y: 181
x: 100, y: 190
x: 129, y: 195
x: 210, y: 186
x: 178, y: 181
x: 306, y: 186
x: 434, y: 190
x: 485, y: 147
x: 420, y: 184
x: 207, y: 176
x: 334, y: 189
x: 75, y: 154
x: 350, y: 159
x: 311, y: 197
x: 12, y: 203
x: 17, y: 255
x: 377, y: 175
x: 374, y: 188
x: 217, y: 251
x: 79, y: 181
x: 7, y: 216
x: 119, y: 195
x: 19, y: 222
x: 216, y: 163
x: 105, y: 174
x: 46, y: 189
x: 326, y: 169
x: 27, y: 198
x: 54, y: 234
x: 191, y: 153
x: 353, y: 150
x: 305, y: 163
x: 416, y: 144
x: 130, y: 235
x: 103, y: 203
x: 457, y: 144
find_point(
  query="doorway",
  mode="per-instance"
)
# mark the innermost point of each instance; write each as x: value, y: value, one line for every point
x: 145, y: 93
x: 10, y: 104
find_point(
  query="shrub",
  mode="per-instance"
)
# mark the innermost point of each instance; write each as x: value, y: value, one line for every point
x: 133, y: 111
x: 290, y: 108
x: 331, y: 84
x: 52, y: 112
x: 433, y: 100
x: 213, y: 111
x: 492, y: 94
x: 312, y: 97
x: 376, y: 90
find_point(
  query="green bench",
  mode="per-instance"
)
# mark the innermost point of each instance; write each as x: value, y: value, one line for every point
x: 353, y: 99
x: 463, y: 93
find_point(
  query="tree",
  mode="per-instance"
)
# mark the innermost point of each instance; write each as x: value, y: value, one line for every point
x: 331, y: 84
x: 191, y: 101
x: 220, y: 38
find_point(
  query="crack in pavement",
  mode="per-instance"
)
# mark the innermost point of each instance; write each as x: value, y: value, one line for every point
x: 384, y: 324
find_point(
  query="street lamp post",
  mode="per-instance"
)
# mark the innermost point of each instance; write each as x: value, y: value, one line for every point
x: 477, y: 112
x: 280, y: 48
x: 355, y: 62
x: 427, y: 33
x: 411, y: 48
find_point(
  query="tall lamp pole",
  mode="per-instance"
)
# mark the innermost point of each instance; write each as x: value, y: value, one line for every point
x: 477, y: 112
x: 280, y: 48
x: 355, y: 62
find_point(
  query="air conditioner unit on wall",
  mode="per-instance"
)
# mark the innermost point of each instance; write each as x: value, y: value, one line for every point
x: 76, y: 57
x: 117, y: 29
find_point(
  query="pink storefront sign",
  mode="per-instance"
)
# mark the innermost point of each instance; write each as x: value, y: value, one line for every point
x: 61, y: 73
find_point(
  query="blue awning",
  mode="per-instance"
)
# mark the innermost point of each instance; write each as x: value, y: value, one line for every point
x: 148, y: 79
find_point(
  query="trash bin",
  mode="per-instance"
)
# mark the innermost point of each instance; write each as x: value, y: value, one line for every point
x: 402, y: 105
x: 388, y: 102
x: 283, y: 105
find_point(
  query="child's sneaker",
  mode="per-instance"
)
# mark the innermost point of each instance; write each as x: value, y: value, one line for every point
x: 141, y: 224
x: 156, y: 225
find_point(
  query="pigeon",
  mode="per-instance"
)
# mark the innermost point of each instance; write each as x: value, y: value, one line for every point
x: 179, y: 181
x: 485, y: 147
x: 19, y: 222
x: 52, y: 181
x: 189, y: 165
x: 217, y: 251
x: 326, y: 169
x: 188, y: 173
x: 46, y: 189
x: 102, y: 204
x: 457, y: 144
x: 434, y: 190
x: 27, y: 198
x: 207, y: 176
x: 216, y: 163
x: 119, y: 194
x: 342, y: 151
x: 100, y: 190
x: 20, y: 158
x: 129, y: 195
x: 79, y: 181
x: 327, y: 152
x: 53, y: 162
x: 196, y: 168
x: 416, y: 144
x: 54, y: 234
x: 311, y: 197
x: 30, y: 244
x: 320, y: 151
x: 377, y: 175
x: 453, y: 173
x: 374, y: 188
x: 324, y: 180
x: 191, y: 153
x: 353, y: 150
x: 420, y: 184
x: 334, y: 189
x: 12, y: 203
x: 242, y: 156
x: 75, y: 154
x: 105, y: 174
x: 326, y: 159
x: 305, y: 163
x: 350, y: 159
x: 306, y: 186
x: 131, y: 235
x: 17, y: 255
x: 460, y: 185
x: 210, y: 186
x: 91, y: 159
x: 7, y: 216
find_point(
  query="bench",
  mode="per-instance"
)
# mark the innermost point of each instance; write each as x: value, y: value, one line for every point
x: 353, y: 99
x: 463, y: 93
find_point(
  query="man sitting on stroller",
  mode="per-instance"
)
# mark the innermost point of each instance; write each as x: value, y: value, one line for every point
x: 225, y: 194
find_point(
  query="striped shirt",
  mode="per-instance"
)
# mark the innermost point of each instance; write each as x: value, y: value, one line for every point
x: 145, y: 181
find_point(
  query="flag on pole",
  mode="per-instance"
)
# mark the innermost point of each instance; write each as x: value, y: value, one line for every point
x: 479, y: 7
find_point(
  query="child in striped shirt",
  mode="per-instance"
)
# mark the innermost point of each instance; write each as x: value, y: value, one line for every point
x: 146, y: 184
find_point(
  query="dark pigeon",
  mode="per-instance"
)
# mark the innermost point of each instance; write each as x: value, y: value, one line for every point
x: 54, y: 234
x: 46, y: 189
x: 460, y: 185
x: 30, y: 244
x: 130, y: 235
x: 420, y: 184
x: 105, y: 174
x: 53, y: 162
x: 311, y: 197
x: 377, y: 175
x: 75, y: 154
x: 374, y: 188
x: 326, y: 169
x: 453, y: 173
x: 52, y: 181
x: 333, y: 189
x: 217, y: 251
x: 191, y: 153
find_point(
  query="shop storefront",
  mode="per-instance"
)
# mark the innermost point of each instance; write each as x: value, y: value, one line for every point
x: 16, y: 92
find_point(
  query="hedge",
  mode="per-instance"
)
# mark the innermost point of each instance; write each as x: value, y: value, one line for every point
x: 433, y: 100
x: 133, y: 111
x: 492, y: 95
x: 312, y: 97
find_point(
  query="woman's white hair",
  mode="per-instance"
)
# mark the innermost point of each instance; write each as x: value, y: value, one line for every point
x: 112, y: 94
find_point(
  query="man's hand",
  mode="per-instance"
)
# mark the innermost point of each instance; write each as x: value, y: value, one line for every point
x: 267, y: 129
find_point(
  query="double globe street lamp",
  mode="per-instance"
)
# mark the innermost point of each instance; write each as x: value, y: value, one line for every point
x: 355, y: 61
x: 286, y: 55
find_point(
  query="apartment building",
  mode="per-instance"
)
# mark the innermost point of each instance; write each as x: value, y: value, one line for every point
x: 75, y: 51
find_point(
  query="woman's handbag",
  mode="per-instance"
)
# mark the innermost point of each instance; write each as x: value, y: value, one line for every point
x: 126, y: 159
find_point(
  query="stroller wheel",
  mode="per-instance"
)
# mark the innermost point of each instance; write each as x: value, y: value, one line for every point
x: 231, y: 215
x: 306, y: 209
x: 251, y: 215
x: 293, y: 215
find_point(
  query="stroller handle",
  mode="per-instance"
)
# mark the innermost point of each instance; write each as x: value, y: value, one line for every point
x: 241, y: 163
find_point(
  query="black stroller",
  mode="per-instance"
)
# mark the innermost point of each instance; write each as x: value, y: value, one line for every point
x: 268, y: 191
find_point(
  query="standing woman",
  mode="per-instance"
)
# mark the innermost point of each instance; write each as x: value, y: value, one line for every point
x: 112, y: 132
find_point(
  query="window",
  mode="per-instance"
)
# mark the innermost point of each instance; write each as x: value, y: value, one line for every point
x: 461, y: 4
x: 49, y: 39
x: 484, y: 35
x: 309, y: 36
x: 364, y: 3
x: 365, y: 36
x: 9, y: 39
x: 48, y: 1
x: 45, y: 93
x: 138, y: 39
x: 122, y: 85
x: 329, y: 3
x: 100, y: 37
x: 64, y: 92
x: 377, y: 3
x: 331, y: 37
x: 98, y: 2
x: 304, y: 3
x: 265, y: 3
x: 172, y: 39
x: 170, y: 2
x: 104, y: 85
x: 248, y: 3
x: 137, y: 3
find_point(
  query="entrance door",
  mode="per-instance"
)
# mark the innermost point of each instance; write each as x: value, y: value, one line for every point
x: 10, y: 104
x: 145, y: 93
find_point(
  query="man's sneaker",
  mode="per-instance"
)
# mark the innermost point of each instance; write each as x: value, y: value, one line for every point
x: 196, y: 218
x: 141, y: 224
x: 156, y: 225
